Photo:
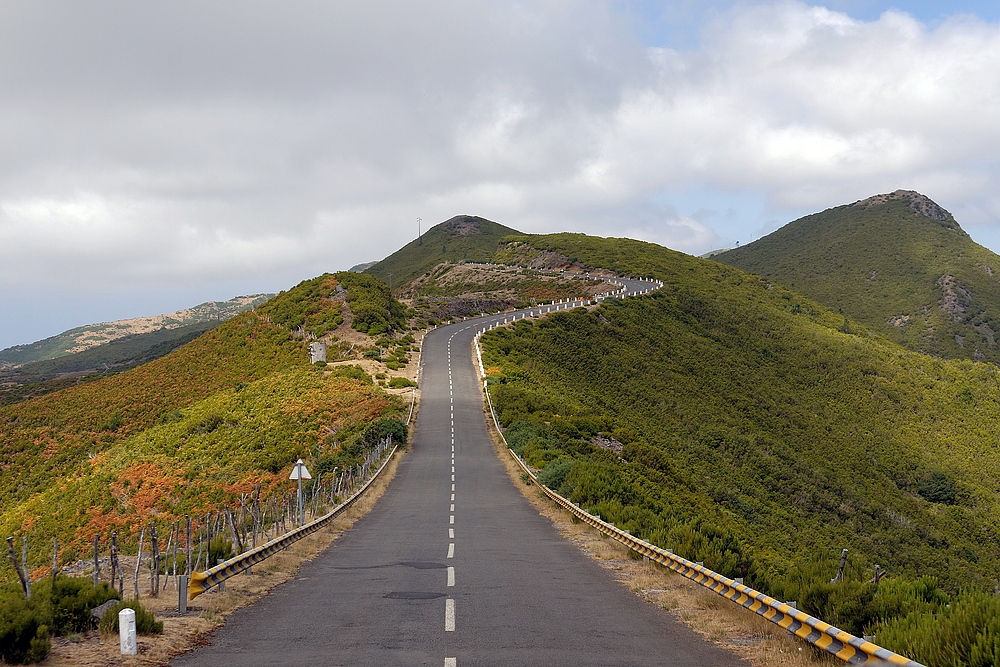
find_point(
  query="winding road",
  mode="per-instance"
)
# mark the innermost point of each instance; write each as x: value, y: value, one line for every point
x: 453, y: 566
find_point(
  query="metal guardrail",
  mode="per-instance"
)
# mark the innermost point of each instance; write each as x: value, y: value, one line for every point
x: 849, y: 648
x: 844, y: 645
x: 203, y: 581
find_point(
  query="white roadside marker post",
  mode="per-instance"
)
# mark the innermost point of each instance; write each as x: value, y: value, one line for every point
x: 126, y: 632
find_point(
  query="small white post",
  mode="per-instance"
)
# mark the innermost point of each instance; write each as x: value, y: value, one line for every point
x: 126, y: 631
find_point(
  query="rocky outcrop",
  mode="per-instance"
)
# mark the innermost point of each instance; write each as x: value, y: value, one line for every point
x: 918, y: 203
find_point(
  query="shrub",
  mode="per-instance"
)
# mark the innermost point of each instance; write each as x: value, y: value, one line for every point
x: 382, y: 428
x: 145, y: 621
x: 72, y: 599
x: 351, y: 371
x: 966, y: 632
x: 24, y: 636
x: 554, y: 474
x: 401, y: 382
x: 937, y: 488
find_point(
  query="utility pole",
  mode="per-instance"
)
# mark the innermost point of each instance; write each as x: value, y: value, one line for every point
x: 420, y: 238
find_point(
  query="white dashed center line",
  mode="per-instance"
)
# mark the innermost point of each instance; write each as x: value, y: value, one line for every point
x: 451, y: 550
x: 451, y: 533
x: 451, y: 575
x: 449, y: 615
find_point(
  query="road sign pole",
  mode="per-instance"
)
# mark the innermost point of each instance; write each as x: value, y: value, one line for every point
x: 301, y: 518
x: 300, y: 472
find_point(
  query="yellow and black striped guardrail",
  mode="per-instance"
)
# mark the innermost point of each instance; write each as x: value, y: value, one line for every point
x: 203, y: 581
x: 844, y: 645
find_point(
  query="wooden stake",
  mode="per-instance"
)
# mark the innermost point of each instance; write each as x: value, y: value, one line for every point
x: 138, y: 562
x: 17, y: 566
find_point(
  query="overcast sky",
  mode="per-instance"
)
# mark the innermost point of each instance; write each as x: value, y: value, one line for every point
x: 157, y: 155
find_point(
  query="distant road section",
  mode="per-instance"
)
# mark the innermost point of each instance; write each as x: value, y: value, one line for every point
x: 453, y: 566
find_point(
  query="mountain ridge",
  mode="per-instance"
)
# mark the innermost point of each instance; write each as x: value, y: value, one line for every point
x: 896, y: 262
x: 88, y: 336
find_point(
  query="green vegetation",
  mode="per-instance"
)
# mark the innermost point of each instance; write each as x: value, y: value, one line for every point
x: 145, y: 621
x: 758, y: 437
x: 315, y: 307
x: 897, y: 263
x: 35, y: 378
x: 56, y: 607
x: 221, y: 416
x: 462, y: 238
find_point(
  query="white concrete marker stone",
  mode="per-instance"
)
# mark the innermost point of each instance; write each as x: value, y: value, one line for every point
x: 126, y: 632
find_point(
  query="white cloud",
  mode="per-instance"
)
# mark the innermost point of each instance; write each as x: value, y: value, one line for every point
x: 195, y: 142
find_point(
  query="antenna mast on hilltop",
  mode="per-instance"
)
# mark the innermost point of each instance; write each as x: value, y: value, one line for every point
x: 420, y: 239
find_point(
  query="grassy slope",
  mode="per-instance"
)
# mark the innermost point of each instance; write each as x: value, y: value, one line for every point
x: 226, y: 411
x: 756, y: 432
x: 460, y: 238
x: 886, y: 261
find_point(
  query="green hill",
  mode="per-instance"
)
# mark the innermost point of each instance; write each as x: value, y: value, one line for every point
x: 462, y: 238
x: 196, y: 428
x: 898, y: 263
x: 93, y: 335
x: 737, y: 422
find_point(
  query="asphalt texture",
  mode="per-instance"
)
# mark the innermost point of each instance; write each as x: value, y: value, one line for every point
x: 453, y: 566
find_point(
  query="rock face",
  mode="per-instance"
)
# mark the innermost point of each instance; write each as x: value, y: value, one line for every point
x: 917, y: 202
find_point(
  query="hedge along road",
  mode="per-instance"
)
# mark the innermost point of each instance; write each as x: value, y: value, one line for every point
x: 453, y: 566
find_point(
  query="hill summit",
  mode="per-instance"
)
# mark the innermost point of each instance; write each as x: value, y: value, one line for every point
x: 896, y: 262
x: 916, y: 202
x: 458, y: 239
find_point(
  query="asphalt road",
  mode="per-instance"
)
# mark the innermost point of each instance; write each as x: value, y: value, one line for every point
x: 453, y: 566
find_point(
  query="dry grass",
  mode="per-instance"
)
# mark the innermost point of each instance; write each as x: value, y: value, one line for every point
x: 182, y: 633
x: 759, y: 642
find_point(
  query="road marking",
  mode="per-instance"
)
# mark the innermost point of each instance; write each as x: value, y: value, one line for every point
x: 453, y: 468
x: 451, y: 662
x: 452, y: 507
x: 451, y: 533
x: 449, y: 615
x: 453, y: 478
x: 451, y: 575
x: 452, y: 487
x: 451, y: 550
x: 451, y: 519
x: 453, y: 497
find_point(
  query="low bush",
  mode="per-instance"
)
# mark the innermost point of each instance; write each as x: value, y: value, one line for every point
x: 382, y: 428
x: 145, y: 621
x: 351, y: 371
x: 401, y: 382
x: 62, y: 608
x: 72, y: 599
x: 24, y: 636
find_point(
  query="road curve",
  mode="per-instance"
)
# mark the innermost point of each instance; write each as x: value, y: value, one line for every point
x: 453, y: 566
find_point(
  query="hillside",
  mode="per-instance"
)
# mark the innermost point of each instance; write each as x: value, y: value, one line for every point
x: 744, y: 425
x: 93, y: 335
x: 462, y: 238
x: 224, y: 414
x: 898, y: 263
